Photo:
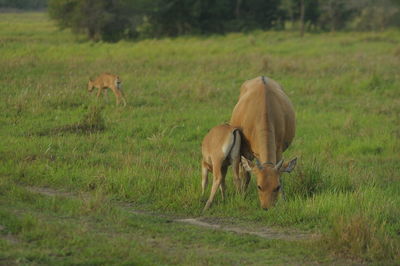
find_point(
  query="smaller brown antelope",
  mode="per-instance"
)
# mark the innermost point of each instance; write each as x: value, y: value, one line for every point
x: 220, y: 148
x: 105, y: 81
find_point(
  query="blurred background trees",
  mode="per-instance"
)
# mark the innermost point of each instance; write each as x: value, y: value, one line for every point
x: 23, y: 4
x: 108, y: 20
x: 112, y: 20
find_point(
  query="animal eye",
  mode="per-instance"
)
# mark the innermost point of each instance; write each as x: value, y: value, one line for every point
x: 277, y: 188
x: 259, y: 187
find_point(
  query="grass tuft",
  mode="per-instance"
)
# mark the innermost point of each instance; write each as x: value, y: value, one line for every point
x: 308, y: 180
x: 360, y: 237
x: 91, y: 122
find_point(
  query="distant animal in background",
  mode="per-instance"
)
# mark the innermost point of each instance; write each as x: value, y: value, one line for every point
x: 107, y: 81
x: 220, y: 148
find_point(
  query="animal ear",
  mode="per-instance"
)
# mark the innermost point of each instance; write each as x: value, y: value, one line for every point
x: 247, y: 165
x: 288, y: 167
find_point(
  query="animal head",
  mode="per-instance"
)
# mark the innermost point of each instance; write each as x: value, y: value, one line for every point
x: 118, y: 82
x: 268, y: 179
x: 90, y: 85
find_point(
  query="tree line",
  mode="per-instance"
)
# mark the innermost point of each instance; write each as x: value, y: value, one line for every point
x: 112, y: 20
x: 24, y: 4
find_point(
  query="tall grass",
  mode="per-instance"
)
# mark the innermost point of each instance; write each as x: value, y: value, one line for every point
x: 344, y: 86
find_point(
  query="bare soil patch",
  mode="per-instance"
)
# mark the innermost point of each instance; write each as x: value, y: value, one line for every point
x: 264, y: 232
x: 214, y: 224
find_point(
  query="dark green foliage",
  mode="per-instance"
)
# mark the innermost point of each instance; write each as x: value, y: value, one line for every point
x: 100, y: 20
x: 117, y: 19
x: 290, y: 10
x: 23, y: 4
x: 194, y: 16
x: 333, y: 15
x: 377, y: 15
x: 113, y: 20
x: 260, y: 13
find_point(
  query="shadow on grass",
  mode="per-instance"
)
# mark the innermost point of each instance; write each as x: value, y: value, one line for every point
x: 91, y: 122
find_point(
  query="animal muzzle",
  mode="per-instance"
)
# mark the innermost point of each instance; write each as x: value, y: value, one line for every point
x: 118, y: 84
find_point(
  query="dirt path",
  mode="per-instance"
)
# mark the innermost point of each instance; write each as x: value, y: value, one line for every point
x: 220, y: 225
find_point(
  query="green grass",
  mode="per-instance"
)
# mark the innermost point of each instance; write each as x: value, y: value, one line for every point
x: 59, y: 230
x: 345, y: 88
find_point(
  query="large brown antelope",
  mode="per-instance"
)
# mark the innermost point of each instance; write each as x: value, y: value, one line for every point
x: 220, y: 148
x: 107, y: 81
x: 266, y: 118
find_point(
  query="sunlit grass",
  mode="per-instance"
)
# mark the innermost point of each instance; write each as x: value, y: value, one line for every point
x: 344, y: 86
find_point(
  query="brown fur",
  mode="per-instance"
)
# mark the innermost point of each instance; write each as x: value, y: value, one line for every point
x: 220, y: 148
x: 105, y: 81
x: 266, y: 117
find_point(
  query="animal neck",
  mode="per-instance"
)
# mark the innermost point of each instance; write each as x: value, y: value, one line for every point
x: 268, y: 154
x: 266, y: 141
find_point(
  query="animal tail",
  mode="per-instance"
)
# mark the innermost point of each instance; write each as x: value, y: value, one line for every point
x: 235, y: 148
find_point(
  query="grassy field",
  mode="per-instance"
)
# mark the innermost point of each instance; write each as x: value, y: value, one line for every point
x: 346, y: 188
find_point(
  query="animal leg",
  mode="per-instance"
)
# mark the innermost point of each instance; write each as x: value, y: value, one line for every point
x: 99, y: 92
x: 216, y: 183
x: 105, y: 92
x: 222, y: 186
x: 121, y: 95
x: 123, y: 100
x: 236, y: 177
x: 114, y: 89
x: 204, y: 177
x: 245, y: 178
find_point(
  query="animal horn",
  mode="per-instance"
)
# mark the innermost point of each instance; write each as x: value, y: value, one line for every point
x: 279, y: 164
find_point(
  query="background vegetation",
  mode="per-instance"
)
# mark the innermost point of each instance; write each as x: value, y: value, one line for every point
x: 126, y: 19
x: 23, y: 4
x: 345, y: 89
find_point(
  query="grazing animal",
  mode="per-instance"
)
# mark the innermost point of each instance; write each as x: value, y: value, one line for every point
x: 105, y: 81
x: 220, y: 148
x: 266, y: 118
